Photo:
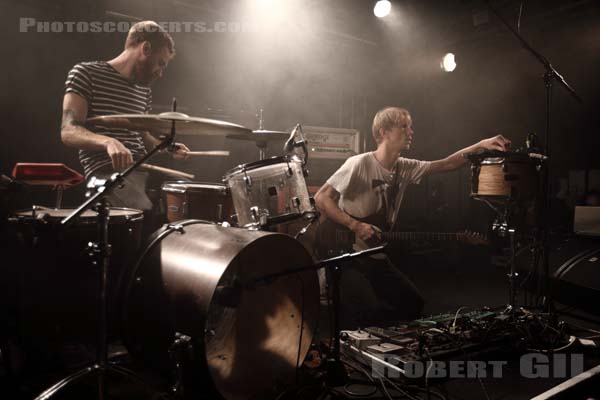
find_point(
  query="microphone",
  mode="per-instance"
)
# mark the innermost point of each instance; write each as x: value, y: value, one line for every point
x: 290, y: 144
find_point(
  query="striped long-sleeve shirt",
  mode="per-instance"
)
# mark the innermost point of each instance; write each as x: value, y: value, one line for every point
x: 107, y: 92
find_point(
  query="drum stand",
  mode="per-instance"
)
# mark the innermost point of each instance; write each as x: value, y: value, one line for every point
x: 503, y: 227
x: 102, y: 249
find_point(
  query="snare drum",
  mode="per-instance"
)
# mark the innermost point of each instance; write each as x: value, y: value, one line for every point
x: 57, y: 279
x: 514, y: 176
x: 205, y: 201
x: 269, y: 192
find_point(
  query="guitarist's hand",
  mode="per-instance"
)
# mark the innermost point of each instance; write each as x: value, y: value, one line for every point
x: 367, y: 233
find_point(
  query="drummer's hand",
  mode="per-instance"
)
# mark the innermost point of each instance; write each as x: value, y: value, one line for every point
x: 119, y: 154
x: 181, y: 153
x: 498, y: 142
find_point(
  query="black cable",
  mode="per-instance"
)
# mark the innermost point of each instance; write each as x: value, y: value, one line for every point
x: 387, y: 394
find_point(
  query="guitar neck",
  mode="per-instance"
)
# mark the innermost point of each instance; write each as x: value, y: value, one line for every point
x: 399, y: 236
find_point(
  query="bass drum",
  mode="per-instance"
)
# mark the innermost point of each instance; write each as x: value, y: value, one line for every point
x: 201, y: 280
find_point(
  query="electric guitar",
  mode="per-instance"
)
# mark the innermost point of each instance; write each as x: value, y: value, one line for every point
x: 333, y: 239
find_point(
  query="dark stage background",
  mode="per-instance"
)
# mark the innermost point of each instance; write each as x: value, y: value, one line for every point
x: 331, y: 63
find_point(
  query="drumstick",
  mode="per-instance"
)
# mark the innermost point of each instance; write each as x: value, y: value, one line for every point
x: 208, y: 153
x: 167, y: 171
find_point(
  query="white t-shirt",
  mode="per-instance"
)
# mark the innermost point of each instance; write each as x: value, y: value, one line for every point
x: 363, y: 183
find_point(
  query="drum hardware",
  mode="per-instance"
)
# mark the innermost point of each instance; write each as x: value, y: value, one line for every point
x: 506, y: 181
x: 180, y: 352
x: 260, y: 218
x: 98, y: 189
x: 291, y: 144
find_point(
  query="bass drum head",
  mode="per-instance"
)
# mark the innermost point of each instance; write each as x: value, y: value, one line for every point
x: 202, y: 281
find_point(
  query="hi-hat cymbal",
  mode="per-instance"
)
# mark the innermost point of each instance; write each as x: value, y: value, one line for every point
x: 260, y: 136
x: 161, y: 124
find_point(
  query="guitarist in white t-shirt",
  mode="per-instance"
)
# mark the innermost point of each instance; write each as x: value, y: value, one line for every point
x: 364, y: 196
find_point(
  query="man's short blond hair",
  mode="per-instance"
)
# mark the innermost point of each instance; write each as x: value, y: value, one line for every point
x: 387, y: 118
x: 150, y: 31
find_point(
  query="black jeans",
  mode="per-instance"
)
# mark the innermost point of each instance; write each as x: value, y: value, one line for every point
x: 373, y: 291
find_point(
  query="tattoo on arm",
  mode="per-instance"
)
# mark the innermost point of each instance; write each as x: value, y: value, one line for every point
x: 68, y: 119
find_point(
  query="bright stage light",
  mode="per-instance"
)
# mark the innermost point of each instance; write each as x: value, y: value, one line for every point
x: 448, y: 63
x: 265, y: 4
x: 382, y: 8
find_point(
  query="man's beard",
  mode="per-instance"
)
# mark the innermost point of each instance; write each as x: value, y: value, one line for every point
x: 144, y: 75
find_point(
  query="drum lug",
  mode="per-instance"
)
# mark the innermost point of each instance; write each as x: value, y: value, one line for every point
x: 184, y: 208
x: 259, y: 216
x: 247, y: 181
x: 219, y: 212
x: 295, y: 203
x: 180, y: 353
x: 176, y: 227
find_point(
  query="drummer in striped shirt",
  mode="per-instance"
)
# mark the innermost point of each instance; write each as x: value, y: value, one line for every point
x: 118, y: 86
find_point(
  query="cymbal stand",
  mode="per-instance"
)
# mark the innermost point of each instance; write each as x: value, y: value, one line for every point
x: 101, y: 250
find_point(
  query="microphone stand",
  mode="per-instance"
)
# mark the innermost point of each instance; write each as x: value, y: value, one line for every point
x: 550, y: 75
x: 335, y: 370
x: 101, y: 252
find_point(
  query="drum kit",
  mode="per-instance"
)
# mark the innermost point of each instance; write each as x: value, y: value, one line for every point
x: 217, y: 280
x: 197, y: 278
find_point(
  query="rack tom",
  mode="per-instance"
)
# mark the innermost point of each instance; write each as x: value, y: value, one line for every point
x: 269, y: 192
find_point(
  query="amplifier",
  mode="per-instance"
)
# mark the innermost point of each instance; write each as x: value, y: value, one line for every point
x: 331, y: 143
x: 328, y: 148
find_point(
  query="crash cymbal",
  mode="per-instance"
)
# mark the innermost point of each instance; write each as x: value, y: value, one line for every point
x: 260, y: 136
x: 161, y: 124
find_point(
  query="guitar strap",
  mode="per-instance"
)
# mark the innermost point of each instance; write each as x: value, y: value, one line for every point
x: 390, y: 201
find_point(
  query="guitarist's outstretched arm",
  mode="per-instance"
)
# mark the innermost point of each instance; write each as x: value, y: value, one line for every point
x: 456, y: 160
x: 327, y: 199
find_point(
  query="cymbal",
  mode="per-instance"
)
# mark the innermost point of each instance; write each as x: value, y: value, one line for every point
x: 161, y: 124
x: 260, y: 136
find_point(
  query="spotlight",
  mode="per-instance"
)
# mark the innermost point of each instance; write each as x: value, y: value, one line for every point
x: 448, y: 63
x: 382, y: 8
